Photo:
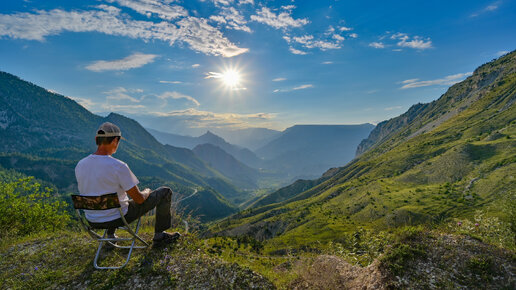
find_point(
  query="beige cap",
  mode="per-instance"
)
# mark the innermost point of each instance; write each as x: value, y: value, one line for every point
x: 108, y: 130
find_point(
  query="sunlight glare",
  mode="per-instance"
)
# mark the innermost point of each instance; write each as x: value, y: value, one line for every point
x: 231, y: 78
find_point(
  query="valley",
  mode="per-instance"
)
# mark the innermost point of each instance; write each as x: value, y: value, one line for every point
x: 378, y: 201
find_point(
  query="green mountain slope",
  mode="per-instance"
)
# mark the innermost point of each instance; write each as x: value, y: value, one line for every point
x: 243, y: 175
x: 309, y: 150
x: 45, y: 134
x: 458, y: 155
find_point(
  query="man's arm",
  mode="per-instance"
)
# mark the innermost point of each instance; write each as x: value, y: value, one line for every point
x: 138, y: 196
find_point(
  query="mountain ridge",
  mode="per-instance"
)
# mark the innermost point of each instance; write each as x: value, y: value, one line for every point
x: 44, y: 134
x: 462, y: 165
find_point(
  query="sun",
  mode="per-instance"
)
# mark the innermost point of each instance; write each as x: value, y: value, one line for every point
x: 231, y: 78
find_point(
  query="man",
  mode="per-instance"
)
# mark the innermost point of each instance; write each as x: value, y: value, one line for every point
x: 100, y: 173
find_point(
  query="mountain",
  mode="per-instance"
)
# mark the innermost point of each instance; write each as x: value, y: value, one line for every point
x: 243, y: 155
x: 243, y: 175
x: 45, y: 134
x: 174, y: 139
x: 208, y: 205
x: 252, y: 138
x: 451, y: 159
x: 293, y: 190
x: 309, y: 150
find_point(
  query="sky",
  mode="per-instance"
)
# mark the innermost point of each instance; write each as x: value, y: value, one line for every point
x: 184, y: 66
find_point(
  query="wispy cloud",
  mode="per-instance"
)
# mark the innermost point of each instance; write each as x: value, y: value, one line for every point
x: 196, y: 32
x: 400, y: 39
x: 416, y: 42
x: 280, y: 20
x: 171, y: 82
x: 86, y: 103
x: 204, y: 119
x: 393, y: 108
x: 122, y: 94
x: 377, y: 45
x: 149, y: 8
x: 489, y: 8
x: 213, y: 75
x: 279, y: 79
x: 296, y: 51
x: 196, y: 65
x: 309, y: 42
x: 133, y: 61
x: 327, y: 62
x: 232, y: 19
x: 502, y: 52
x: 176, y: 96
x: 301, y: 87
x: 446, y: 81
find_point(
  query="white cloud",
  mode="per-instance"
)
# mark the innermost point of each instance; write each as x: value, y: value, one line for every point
x: 288, y: 7
x: 86, y: 103
x: 123, y: 108
x: 416, y: 42
x: 338, y: 37
x: 122, y: 94
x: 301, y: 87
x: 232, y: 19
x: 353, y: 35
x: 281, y: 20
x: 196, y: 65
x: 502, y: 52
x: 296, y: 51
x: 162, y: 9
x: 201, y: 36
x: 279, y: 79
x: 446, y: 81
x: 177, y: 96
x: 308, y: 42
x: 194, y: 118
x: 221, y: 2
x: 170, y: 82
x: 242, y: 2
x: 135, y: 60
x: 393, y: 108
x: 344, y: 28
x: 409, y: 81
x: 213, y: 75
x: 489, y: 8
x: 327, y: 62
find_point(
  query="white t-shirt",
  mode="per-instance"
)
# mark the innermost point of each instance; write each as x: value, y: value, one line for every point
x: 101, y: 174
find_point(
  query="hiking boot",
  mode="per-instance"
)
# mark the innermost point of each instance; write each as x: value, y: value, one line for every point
x: 165, y: 239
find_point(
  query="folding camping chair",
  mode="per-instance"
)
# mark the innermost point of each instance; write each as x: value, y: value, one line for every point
x: 103, y: 202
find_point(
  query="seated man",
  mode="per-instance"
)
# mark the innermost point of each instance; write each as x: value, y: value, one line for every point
x: 100, y: 173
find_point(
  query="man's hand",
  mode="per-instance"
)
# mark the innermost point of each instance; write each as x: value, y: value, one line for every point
x: 138, y: 196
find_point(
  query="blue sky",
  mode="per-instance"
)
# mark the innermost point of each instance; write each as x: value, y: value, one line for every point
x: 184, y: 66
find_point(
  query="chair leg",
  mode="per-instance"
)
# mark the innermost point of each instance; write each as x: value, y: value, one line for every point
x: 133, y: 242
x: 97, y: 255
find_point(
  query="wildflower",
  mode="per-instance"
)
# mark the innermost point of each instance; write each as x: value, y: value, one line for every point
x: 36, y: 268
x: 459, y: 224
x: 477, y: 224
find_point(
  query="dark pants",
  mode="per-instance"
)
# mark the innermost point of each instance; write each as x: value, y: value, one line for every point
x: 160, y: 199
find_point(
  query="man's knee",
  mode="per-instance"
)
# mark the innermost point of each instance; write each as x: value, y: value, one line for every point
x: 166, y: 192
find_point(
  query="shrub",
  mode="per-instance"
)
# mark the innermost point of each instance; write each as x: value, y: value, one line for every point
x: 25, y: 208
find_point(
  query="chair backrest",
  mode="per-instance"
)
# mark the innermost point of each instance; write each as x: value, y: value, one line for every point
x: 101, y: 202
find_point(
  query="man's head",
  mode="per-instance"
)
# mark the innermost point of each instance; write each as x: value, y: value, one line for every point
x: 108, y: 136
